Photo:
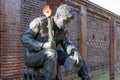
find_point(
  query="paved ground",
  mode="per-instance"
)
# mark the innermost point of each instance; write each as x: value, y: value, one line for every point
x: 98, y: 75
x: 105, y: 76
x: 117, y: 77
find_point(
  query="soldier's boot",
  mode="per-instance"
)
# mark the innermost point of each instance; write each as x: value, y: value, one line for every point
x: 59, y: 77
x: 50, y: 65
x: 84, y: 71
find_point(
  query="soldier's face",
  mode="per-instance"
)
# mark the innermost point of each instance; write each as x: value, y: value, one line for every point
x: 63, y: 19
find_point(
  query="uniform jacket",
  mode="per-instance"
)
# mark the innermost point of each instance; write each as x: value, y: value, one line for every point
x: 37, y: 34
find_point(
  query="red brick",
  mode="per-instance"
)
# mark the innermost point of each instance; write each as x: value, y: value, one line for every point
x: 91, y: 36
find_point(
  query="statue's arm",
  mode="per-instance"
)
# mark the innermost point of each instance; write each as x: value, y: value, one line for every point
x: 28, y: 38
x: 67, y: 45
x: 70, y: 49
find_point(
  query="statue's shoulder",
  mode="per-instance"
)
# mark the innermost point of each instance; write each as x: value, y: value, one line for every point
x: 42, y: 20
x: 39, y: 21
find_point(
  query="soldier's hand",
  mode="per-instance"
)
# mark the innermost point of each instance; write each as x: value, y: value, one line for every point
x: 48, y: 45
x: 76, y: 56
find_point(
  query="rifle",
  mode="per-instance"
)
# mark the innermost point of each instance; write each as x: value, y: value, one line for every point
x: 48, y: 12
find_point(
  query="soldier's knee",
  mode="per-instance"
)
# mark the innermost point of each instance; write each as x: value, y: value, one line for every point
x: 50, y: 54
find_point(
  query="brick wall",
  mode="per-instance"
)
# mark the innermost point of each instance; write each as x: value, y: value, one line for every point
x: 0, y: 37
x: 97, y: 41
x: 73, y: 28
x: 118, y: 45
x: 11, y: 43
x: 89, y: 32
x: 30, y: 9
x: 93, y: 40
x: 2, y: 32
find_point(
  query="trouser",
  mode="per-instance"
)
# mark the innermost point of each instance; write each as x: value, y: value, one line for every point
x: 84, y: 71
x: 49, y: 58
x: 46, y: 59
x: 82, y: 68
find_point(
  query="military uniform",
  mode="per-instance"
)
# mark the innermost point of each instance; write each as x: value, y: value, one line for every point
x: 35, y: 56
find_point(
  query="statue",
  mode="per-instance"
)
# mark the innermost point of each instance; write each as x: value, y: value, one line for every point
x: 41, y: 52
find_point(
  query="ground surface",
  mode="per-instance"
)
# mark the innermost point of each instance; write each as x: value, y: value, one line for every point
x: 100, y: 76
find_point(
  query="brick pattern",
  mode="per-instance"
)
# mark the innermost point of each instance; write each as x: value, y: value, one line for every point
x: 118, y: 46
x: 15, y: 16
x: 30, y: 9
x: 0, y: 36
x: 97, y: 42
x: 2, y: 31
x: 73, y: 29
x: 11, y: 46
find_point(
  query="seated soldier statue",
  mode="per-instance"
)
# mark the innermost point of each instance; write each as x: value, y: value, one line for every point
x: 38, y: 51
